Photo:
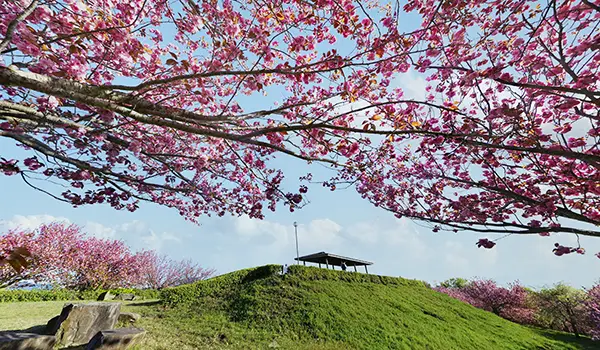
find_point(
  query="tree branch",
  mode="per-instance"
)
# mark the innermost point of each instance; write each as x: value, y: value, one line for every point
x: 10, y: 30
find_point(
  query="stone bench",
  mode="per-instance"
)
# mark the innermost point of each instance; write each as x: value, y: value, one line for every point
x: 78, y: 323
x: 116, y: 339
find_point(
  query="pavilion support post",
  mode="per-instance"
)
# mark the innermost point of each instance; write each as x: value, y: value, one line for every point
x: 319, y: 265
x: 366, y: 270
x: 327, y: 263
x: 304, y: 262
x: 355, y: 268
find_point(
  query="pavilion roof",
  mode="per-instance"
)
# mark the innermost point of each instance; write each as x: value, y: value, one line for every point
x: 332, y: 259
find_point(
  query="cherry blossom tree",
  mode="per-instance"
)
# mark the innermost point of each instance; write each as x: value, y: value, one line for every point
x: 61, y: 254
x: 514, y: 148
x: 511, y: 303
x: 129, y: 101
x: 187, y: 103
x: 593, y: 306
x: 160, y: 271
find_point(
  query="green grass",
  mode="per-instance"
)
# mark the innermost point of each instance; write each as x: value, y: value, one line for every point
x: 313, y: 309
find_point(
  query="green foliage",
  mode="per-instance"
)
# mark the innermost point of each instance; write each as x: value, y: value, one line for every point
x: 457, y: 283
x: 216, y: 286
x: 561, y: 308
x: 345, y: 310
x: 17, y: 295
x: 315, y: 274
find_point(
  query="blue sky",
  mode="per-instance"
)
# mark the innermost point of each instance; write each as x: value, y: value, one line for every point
x: 339, y: 222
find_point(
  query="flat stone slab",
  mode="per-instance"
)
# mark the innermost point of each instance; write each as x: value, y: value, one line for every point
x: 116, y: 339
x: 78, y: 323
x: 129, y: 317
x: 106, y: 296
x: 26, y: 341
x: 125, y: 296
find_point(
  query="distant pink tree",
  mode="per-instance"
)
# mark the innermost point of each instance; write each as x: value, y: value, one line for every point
x: 50, y: 247
x: 510, y: 303
x: 593, y: 306
x: 160, y: 271
x: 61, y: 254
x: 107, y: 264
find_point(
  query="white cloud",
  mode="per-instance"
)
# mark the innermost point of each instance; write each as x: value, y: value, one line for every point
x: 455, y: 257
x: 156, y: 241
x: 133, y: 226
x: 136, y: 233
x: 30, y: 222
x: 413, y: 85
x: 466, y: 260
x: 324, y: 233
x: 98, y: 230
x: 401, y: 233
x: 318, y: 234
x: 247, y: 227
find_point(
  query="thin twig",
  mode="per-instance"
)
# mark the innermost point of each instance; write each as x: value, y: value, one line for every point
x: 13, y: 24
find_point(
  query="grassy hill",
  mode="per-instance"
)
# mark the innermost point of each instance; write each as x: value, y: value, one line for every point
x: 312, y: 308
x: 315, y: 308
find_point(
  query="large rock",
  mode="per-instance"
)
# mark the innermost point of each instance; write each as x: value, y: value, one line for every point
x: 52, y: 325
x: 106, y: 296
x: 129, y: 317
x: 78, y: 323
x: 125, y: 296
x: 116, y: 339
x: 26, y: 341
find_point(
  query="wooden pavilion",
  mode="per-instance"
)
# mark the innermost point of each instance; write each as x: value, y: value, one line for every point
x: 333, y: 260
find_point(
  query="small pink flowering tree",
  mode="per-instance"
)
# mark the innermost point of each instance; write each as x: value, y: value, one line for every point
x: 106, y: 264
x: 48, y: 263
x: 593, y: 307
x: 160, y: 271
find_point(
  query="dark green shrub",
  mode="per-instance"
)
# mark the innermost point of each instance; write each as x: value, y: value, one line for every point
x: 216, y: 286
x: 67, y: 294
x: 315, y: 274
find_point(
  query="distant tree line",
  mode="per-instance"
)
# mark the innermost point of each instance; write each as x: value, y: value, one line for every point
x: 560, y: 307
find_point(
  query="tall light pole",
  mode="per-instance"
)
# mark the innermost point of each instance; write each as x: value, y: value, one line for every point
x: 297, y: 253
